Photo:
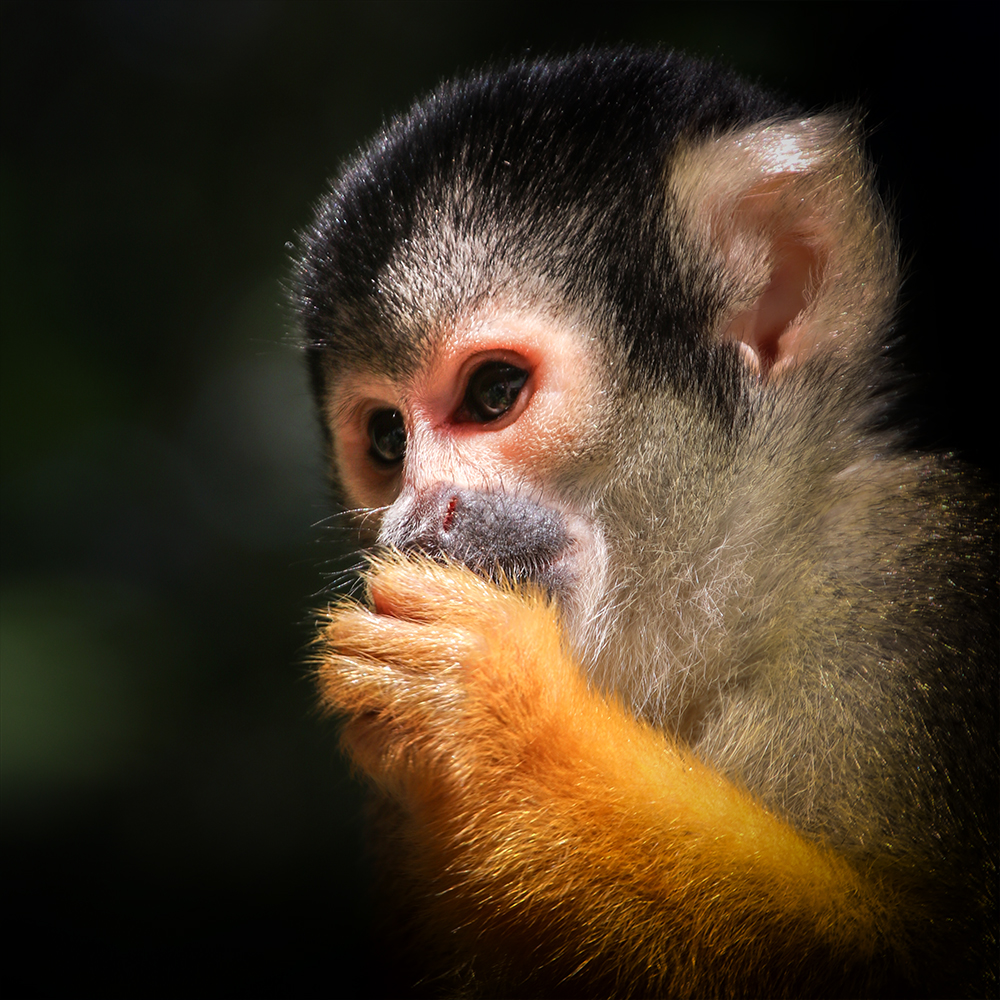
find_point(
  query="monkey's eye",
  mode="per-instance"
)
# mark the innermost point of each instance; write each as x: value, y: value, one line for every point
x: 492, y: 391
x: 387, y: 436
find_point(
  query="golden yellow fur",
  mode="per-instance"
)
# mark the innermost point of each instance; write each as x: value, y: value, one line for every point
x: 585, y: 822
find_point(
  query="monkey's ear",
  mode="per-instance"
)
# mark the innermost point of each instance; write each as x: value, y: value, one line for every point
x: 785, y: 220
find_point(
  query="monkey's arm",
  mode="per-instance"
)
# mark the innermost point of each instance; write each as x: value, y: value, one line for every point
x: 574, y: 839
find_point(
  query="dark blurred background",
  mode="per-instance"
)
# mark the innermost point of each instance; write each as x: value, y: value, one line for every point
x: 175, y: 814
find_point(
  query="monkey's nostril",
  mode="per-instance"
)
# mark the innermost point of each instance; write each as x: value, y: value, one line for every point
x: 449, y: 513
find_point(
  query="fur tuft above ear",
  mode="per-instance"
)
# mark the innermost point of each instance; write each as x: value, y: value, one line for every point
x: 784, y: 218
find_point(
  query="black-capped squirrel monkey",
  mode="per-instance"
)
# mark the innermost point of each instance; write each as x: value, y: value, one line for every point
x: 677, y: 670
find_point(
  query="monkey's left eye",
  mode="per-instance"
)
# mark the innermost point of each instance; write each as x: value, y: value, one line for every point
x: 387, y: 435
x: 492, y: 390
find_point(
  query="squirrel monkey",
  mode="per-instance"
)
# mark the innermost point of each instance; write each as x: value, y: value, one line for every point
x: 676, y: 675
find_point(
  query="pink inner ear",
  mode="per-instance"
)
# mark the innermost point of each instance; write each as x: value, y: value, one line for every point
x: 771, y: 328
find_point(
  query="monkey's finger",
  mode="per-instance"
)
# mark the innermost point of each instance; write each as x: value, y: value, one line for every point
x: 425, y: 591
x: 406, y: 645
x: 356, y: 685
x: 388, y: 718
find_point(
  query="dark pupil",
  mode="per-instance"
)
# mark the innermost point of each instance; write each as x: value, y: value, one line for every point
x: 387, y: 435
x: 493, y: 389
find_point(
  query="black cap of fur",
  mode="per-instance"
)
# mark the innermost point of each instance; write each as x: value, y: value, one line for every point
x: 544, y: 165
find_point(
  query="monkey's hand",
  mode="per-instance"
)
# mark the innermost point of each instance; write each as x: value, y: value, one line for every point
x: 448, y: 679
x: 556, y: 834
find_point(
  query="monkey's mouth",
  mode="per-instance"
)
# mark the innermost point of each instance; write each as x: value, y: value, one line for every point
x: 503, y: 537
x: 553, y: 576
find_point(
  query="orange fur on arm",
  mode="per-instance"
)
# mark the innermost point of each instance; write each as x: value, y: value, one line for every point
x: 559, y: 835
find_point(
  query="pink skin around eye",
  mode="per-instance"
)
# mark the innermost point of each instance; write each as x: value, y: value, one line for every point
x: 546, y: 418
x: 519, y: 447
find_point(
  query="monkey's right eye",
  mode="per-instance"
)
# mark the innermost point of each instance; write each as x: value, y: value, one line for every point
x: 387, y: 435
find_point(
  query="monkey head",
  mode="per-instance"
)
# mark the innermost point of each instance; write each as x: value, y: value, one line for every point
x: 607, y: 375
